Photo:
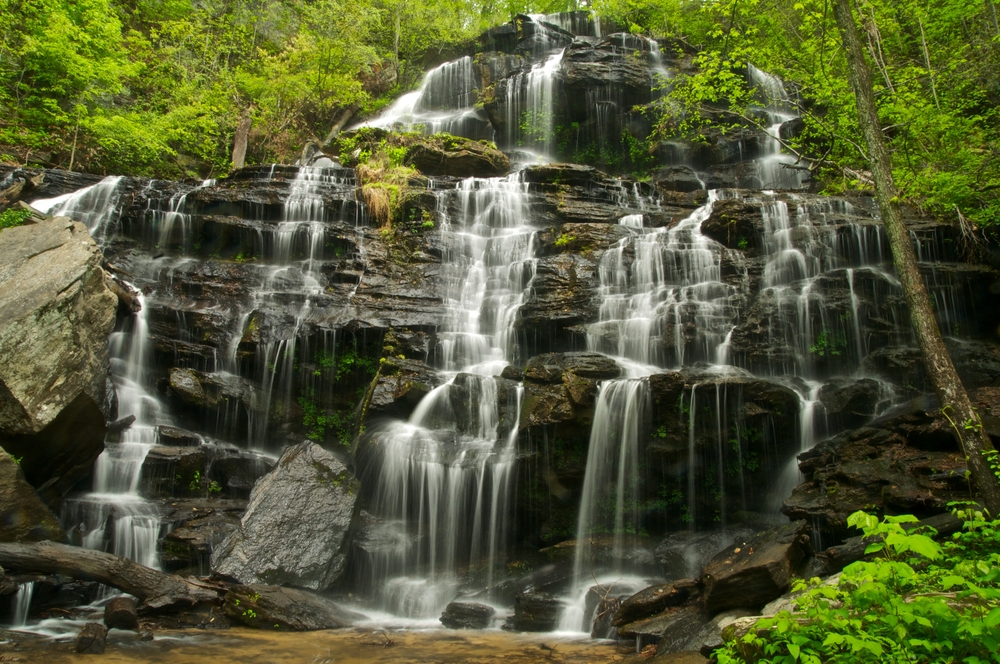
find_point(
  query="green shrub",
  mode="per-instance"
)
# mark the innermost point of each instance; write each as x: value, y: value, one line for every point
x: 915, y: 601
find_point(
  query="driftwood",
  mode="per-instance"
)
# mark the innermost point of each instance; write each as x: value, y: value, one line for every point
x: 155, y: 590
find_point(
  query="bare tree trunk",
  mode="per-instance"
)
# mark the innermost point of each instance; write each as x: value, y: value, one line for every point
x: 345, y: 116
x: 240, y: 142
x: 154, y: 589
x: 954, y: 399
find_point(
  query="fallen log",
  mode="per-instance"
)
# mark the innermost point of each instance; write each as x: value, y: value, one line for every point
x: 155, y: 590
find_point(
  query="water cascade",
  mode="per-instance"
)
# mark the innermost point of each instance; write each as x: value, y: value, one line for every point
x: 441, y: 481
x: 445, y: 102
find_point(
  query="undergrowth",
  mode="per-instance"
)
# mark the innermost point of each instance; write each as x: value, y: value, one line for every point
x: 915, y: 601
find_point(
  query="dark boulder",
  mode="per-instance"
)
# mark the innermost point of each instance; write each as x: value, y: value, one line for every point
x: 757, y: 571
x: 670, y: 629
x: 683, y: 554
x: 467, y: 615
x: 535, y: 611
x: 175, y: 437
x: 120, y: 613
x: 198, y: 527
x: 298, y: 524
x: 653, y: 600
x: 285, y: 609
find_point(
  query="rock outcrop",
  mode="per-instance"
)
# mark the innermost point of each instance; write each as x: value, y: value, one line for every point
x: 285, y: 609
x: 296, y: 530
x: 56, y: 312
x: 758, y: 570
x: 467, y: 615
x: 23, y: 515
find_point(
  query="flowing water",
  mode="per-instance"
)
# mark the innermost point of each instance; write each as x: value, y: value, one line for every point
x: 439, y: 487
x: 441, y: 481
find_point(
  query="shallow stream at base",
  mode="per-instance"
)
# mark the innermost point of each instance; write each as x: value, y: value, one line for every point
x: 349, y: 646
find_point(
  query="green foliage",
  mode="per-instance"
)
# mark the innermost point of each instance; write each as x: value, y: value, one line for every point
x: 16, y: 459
x: 13, y: 218
x: 828, y: 343
x: 935, y: 68
x: 157, y: 87
x: 914, y: 601
x: 564, y: 239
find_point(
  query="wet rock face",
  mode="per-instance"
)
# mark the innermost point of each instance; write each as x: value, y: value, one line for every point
x: 758, y: 571
x: 298, y: 523
x: 651, y: 601
x: 535, y: 611
x: 467, y: 615
x: 198, y: 527
x: 902, y: 463
x: 683, y: 554
x: 55, y: 316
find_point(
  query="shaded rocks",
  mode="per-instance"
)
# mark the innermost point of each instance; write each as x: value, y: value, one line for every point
x: 92, y: 639
x: 851, y: 402
x: 199, y: 526
x: 653, y: 600
x: 758, y: 571
x: 298, y: 523
x: 400, y: 386
x: 55, y: 316
x: 120, y: 613
x: 285, y: 609
x: 682, y: 554
x: 23, y: 515
x: 671, y: 628
x: 467, y: 615
x: 561, y: 387
x: 459, y: 157
x: 906, y: 462
x: 535, y: 611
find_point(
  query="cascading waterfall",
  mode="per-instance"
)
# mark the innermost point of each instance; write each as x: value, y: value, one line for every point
x: 114, y: 517
x: 776, y: 170
x: 22, y: 603
x: 445, y: 102
x: 442, y: 480
x: 530, y: 109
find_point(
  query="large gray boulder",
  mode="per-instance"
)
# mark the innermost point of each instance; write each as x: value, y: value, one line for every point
x: 298, y: 524
x: 56, y: 312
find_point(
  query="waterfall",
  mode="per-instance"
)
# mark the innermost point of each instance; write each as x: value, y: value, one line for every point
x: 530, y: 103
x: 775, y: 169
x: 22, y: 604
x: 445, y: 102
x: 442, y: 481
x: 114, y: 517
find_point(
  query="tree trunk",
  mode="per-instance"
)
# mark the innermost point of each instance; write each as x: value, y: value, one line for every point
x: 954, y: 400
x: 240, y: 141
x: 345, y: 116
x: 156, y: 590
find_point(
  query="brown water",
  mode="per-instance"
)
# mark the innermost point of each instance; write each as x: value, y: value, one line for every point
x: 328, y: 647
